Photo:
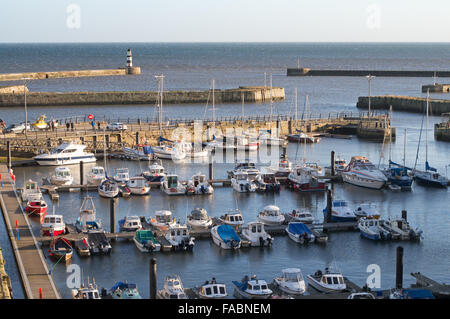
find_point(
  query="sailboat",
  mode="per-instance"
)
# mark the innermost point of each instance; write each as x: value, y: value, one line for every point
x: 108, y: 187
x: 398, y: 174
x: 429, y: 177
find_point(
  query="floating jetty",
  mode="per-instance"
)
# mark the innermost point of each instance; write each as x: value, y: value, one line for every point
x: 404, y: 103
x: 382, y: 73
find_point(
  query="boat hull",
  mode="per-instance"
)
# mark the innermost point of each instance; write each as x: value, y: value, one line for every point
x: 316, y: 285
x: 422, y: 180
x: 363, y: 182
x: 64, y: 160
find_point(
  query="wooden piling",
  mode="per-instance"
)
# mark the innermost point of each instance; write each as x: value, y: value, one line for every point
x: 329, y: 205
x: 399, y: 268
x: 8, y: 146
x: 405, y: 215
x: 81, y: 173
x: 211, y: 170
x: 112, y: 214
x: 332, y: 164
x: 153, y: 278
x: 137, y: 137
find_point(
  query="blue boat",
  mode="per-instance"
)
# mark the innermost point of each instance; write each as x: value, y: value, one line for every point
x: 340, y: 212
x: 225, y: 237
x: 124, y: 290
x: 251, y: 288
x: 300, y: 233
x: 399, y: 176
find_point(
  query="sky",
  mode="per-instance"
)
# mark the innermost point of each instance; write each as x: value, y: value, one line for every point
x: 224, y: 21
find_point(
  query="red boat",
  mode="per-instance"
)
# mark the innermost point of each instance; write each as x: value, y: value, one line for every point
x: 36, y: 207
x: 303, y: 179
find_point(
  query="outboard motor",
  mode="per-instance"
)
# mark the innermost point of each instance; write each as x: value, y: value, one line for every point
x: 261, y: 241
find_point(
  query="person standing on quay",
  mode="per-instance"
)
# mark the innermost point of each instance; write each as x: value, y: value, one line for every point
x: 93, y: 125
x: 67, y: 126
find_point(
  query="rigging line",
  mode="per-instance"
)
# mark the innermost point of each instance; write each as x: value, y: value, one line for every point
x: 418, y: 145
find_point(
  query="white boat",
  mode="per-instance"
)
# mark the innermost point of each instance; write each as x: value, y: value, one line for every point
x: 300, y: 233
x: 172, y: 186
x: 108, y: 188
x: 200, y: 184
x: 257, y: 235
x: 328, y: 282
x: 373, y: 229
x: 86, y: 292
x: 233, y: 218
x: 199, y: 219
x: 145, y: 241
x: 65, y: 154
x: 162, y: 220
x: 212, y: 290
x: 366, y: 210
x: 219, y: 143
x: 283, y: 168
x: 130, y: 224
x: 252, y: 288
x: 193, y: 151
x: 122, y: 175
x: 138, y: 185
x: 173, y: 152
x: 302, y: 216
x: 31, y: 191
x: 266, y: 138
x: 61, y: 176
x: 267, y: 182
x: 291, y: 281
x: 53, y: 225
x: 361, y: 172
x: 339, y: 166
x: 225, y: 237
x: 400, y: 229
x: 178, y: 236
x: 96, y: 175
x: 305, y: 179
x: 87, y: 220
x: 247, y: 167
x: 340, y: 211
x: 141, y: 152
x: 155, y: 172
x: 173, y: 289
x: 242, y: 183
x: 271, y: 215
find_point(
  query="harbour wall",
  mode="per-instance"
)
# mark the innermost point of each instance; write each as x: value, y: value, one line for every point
x: 250, y: 94
x: 404, y: 103
x: 13, y: 89
x: 382, y: 73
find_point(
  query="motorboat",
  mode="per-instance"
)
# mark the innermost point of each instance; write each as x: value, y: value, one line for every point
x: 138, y: 185
x: 172, y: 186
x: 233, y: 218
x: 200, y: 184
x: 36, y: 207
x: 225, y: 237
x: 145, y: 241
x: 60, y: 249
x: 283, y: 168
x: 317, y: 170
x: 98, y: 242
x: 172, y: 289
x: 303, y: 138
x: 267, y: 138
x: 108, y: 188
x: 366, y: 210
x: 174, y: 152
x: 400, y: 229
x: 82, y: 247
x: 53, y: 225
x: 122, y: 175
x: 155, y: 172
x: 361, y: 295
x: 61, y: 176
x: 31, y: 191
x: 373, y: 229
x: 305, y: 179
x: 329, y: 282
x: 302, y: 216
x: 194, y: 151
x: 267, y: 182
x: 142, y: 152
x: 130, y: 224
x: 178, y: 236
x: 87, y: 220
x: 340, y: 212
x: 124, y: 290
x: 162, y: 220
x: 252, y: 288
x: 86, y: 292
x: 220, y: 144
x: 300, y: 233
x: 212, y: 290
x: 242, y: 183
x: 291, y: 281
x: 96, y: 175
x: 339, y: 166
x: 199, y: 219
x: 271, y: 215
x: 257, y: 235
x: 361, y: 172
x: 247, y: 167
x: 66, y: 154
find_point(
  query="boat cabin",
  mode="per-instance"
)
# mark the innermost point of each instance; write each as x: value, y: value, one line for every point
x: 271, y: 210
x: 98, y: 170
x: 268, y: 178
x: 62, y: 172
x: 122, y: 174
x: 213, y: 289
x: 173, y: 289
x: 257, y: 287
x: 172, y: 181
x: 333, y: 280
x: 163, y: 216
x: 131, y: 222
x: 198, y: 179
x: 233, y: 218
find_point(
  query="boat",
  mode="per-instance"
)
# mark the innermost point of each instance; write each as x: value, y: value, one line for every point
x: 257, y: 235
x: 87, y: 220
x: 242, y: 183
x: 291, y: 281
x: 61, y: 176
x: 145, y: 241
x: 225, y: 237
x: 271, y: 215
x: 96, y: 175
x: 82, y: 247
x: 366, y: 210
x: 130, y: 224
x: 340, y: 212
x: 361, y: 172
x: 302, y: 216
x: 155, y: 172
x: 175, y: 151
x: 247, y: 167
x: 252, y: 288
x: 172, y: 186
x: 65, y: 154
x: 233, y: 218
x: 400, y: 229
x: 283, y: 168
x: 172, y: 289
x: 305, y: 179
x: 267, y: 182
x: 339, y: 166
x: 329, y: 282
x: 138, y: 185
x: 108, y: 188
x: 162, y: 220
x: 142, y: 152
x: 122, y: 175
x: 200, y: 184
x: 193, y: 151
x: 178, y: 236
x: 267, y: 138
x: 60, y: 249
x: 98, y: 242
x: 303, y: 138
x: 398, y: 175
x: 31, y: 191
x: 86, y: 292
x: 373, y: 229
x: 300, y: 233
x: 220, y: 143
x: 124, y: 290
x: 212, y: 290
x: 199, y: 219
x: 53, y: 225
x: 361, y: 295
x: 36, y: 207
x: 40, y: 123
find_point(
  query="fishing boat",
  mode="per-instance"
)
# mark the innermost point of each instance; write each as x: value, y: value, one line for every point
x: 65, y: 154
x: 400, y: 229
x: 302, y: 216
x: 305, y: 179
x: 96, y: 175
x: 283, y: 168
x: 175, y: 151
x: 145, y: 241
x: 291, y: 281
x: 53, y: 225
x: 366, y: 210
x: 178, y: 236
x: 36, y: 207
x: 225, y: 237
x: 162, y: 220
x: 199, y: 219
x: 142, y: 152
x: 122, y: 175
x: 361, y: 172
x: 124, y: 290
x: 340, y: 212
x: 130, y: 224
x: 155, y: 172
x: 267, y: 182
x: 271, y: 215
x: 242, y: 183
x: 87, y: 220
x: 172, y: 186
x: 60, y: 249
x: 61, y: 176
x: 86, y: 292
x: 252, y: 288
x: 138, y: 185
x: 328, y: 282
x: 233, y: 218
x: 257, y: 235
x: 212, y: 290
x: 31, y: 191
x: 200, y: 184
x: 247, y: 167
x: 372, y: 229
x: 172, y: 289
x: 300, y: 233
x: 108, y: 188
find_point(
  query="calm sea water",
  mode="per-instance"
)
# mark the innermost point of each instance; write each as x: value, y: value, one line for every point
x: 192, y: 66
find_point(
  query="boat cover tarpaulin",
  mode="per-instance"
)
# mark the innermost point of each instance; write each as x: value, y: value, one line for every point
x: 122, y: 286
x: 417, y: 294
x: 227, y: 233
x: 240, y: 285
x: 148, y: 150
x: 299, y: 228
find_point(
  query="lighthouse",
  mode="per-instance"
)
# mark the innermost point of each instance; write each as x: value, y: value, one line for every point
x: 130, y: 68
x: 129, y: 59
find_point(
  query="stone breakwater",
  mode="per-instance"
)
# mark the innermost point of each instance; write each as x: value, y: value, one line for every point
x: 404, y: 103
x: 382, y: 73
x: 251, y: 94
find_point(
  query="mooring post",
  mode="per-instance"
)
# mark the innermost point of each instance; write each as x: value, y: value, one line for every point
x: 211, y: 170
x: 329, y: 205
x: 137, y: 136
x: 332, y: 163
x: 399, y: 268
x: 405, y: 215
x: 112, y: 214
x: 8, y: 146
x: 81, y: 173
x: 153, y: 278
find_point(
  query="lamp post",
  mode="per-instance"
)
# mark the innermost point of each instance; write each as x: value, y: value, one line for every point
x: 369, y: 79
x: 25, y: 104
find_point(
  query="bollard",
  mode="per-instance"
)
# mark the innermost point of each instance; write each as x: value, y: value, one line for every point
x: 405, y: 215
x: 112, y: 212
x: 211, y: 170
x: 81, y: 173
x: 399, y: 268
x: 153, y: 278
x: 332, y: 164
x: 329, y: 205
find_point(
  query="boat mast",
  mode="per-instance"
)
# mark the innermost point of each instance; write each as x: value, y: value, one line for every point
x: 271, y: 104
x: 213, y: 102
x: 160, y: 79
x: 390, y: 135
x: 426, y: 130
x: 242, y: 98
x: 296, y: 106
x: 404, y: 150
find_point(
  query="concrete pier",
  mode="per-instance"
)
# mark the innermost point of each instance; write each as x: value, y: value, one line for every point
x: 404, y: 103
x: 380, y: 73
